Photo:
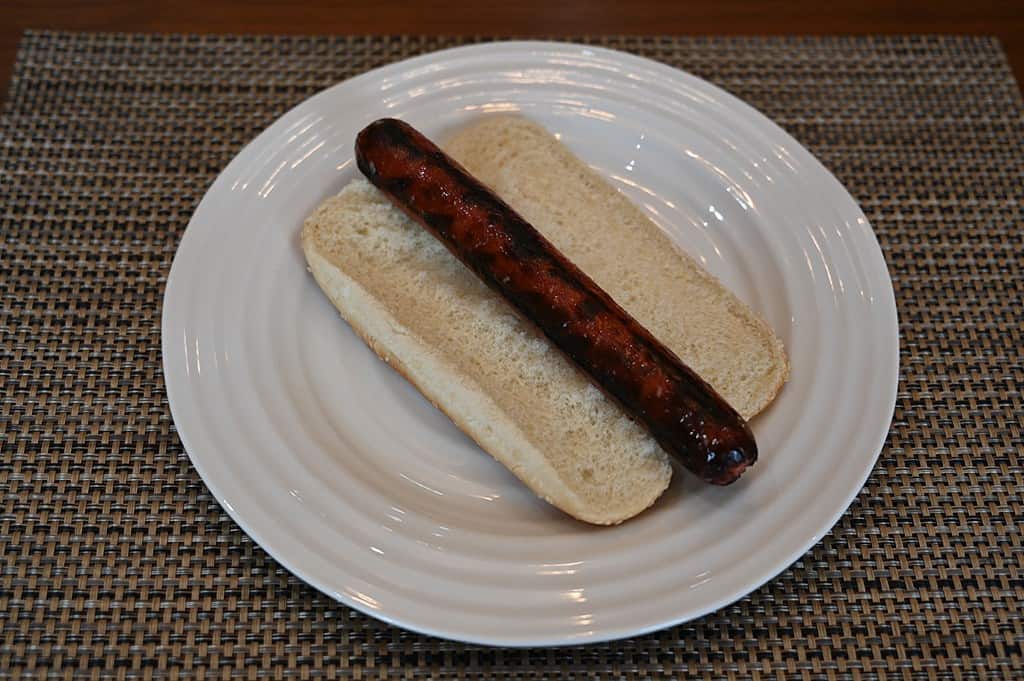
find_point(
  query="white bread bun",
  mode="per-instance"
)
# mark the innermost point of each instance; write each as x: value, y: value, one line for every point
x: 493, y: 373
x: 610, y: 239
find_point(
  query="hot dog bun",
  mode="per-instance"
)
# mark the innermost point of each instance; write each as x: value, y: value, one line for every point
x: 628, y: 256
x: 478, y: 361
x: 473, y: 356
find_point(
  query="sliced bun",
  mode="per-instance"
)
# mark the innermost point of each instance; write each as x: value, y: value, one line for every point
x: 504, y: 384
x: 628, y: 256
x: 478, y: 361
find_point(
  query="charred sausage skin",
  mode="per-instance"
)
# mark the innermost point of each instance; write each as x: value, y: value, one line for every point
x: 684, y: 414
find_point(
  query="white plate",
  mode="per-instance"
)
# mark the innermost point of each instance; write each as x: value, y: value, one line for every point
x: 349, y: 478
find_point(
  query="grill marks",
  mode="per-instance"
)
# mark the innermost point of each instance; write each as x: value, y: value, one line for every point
x: 682, y: 411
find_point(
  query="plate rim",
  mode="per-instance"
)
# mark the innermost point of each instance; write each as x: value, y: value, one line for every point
x: 888, y: 313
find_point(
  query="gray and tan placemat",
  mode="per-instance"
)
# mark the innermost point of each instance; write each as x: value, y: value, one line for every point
x: 115, y: 562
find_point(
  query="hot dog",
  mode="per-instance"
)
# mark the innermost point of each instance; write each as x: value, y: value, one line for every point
x: 684, y: 414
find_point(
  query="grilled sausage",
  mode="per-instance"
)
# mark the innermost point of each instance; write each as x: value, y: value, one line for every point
x: 685, y: 415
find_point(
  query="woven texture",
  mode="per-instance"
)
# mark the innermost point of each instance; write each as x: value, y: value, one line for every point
x: 115, y: 562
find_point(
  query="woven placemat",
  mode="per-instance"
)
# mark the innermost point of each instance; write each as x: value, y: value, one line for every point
x: 116, y: 562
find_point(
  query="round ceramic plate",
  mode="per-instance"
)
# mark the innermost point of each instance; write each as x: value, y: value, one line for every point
x: 349, y: 478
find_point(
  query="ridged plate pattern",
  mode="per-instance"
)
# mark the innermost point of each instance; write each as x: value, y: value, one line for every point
x: 345, y: 474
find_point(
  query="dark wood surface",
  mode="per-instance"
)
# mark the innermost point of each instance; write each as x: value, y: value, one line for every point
x: 1004, y: 19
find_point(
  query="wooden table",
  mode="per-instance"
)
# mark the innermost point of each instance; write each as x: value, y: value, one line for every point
x: 1004, y: 19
